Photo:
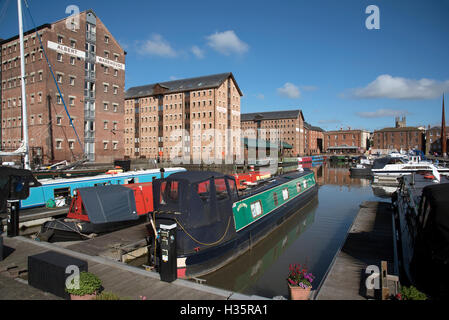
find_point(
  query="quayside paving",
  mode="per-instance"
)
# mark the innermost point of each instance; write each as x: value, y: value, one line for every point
x: 121, y: 279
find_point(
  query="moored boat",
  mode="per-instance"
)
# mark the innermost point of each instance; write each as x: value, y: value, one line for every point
x: 243, y: 180
x: 360, y: 170
x: 53, y: 188
x: 214, y: 223
x: 422, y: 223
x: 102, y: 209
x: 397, y: 166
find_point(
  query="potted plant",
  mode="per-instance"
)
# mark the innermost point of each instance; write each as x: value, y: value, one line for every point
x: 410, y: 293
x: 299, y: 282
x: 89, y: 287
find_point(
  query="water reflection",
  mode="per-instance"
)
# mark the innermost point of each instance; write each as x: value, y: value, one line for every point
x: 311, y: 236
x: 245, y: 271
x: 384, y: 192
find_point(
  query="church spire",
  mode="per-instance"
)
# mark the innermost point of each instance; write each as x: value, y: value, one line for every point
x: 443, y: 132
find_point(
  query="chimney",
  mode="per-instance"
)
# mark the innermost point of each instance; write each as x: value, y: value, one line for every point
x: 443, y: 132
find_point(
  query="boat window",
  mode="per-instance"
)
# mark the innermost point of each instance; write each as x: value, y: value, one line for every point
x: 130, y: 181
x: 285, y: 194
x: 163, y: 186
x: 256, y: 209
x: 220, y: 189
x: 305, y: 184
x: 203, y: 190
x: 298, y: 187
x: 232, y: 187
x: 275, y: 198
x: 100, y: 184
x: 173, y: 190
x: 61, y: 192
x: 169, y: 192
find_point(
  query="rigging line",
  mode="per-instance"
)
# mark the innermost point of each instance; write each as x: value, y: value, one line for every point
x: 53, y: 75
x: 4, y: 10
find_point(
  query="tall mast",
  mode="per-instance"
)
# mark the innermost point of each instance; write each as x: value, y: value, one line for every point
x: 24, y: 101
x: 443, y: 132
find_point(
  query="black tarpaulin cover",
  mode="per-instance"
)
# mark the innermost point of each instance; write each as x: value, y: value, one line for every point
x: 112, y: 203
x: 205, y: 217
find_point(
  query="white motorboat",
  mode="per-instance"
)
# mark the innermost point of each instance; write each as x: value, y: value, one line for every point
x: 395, y: 166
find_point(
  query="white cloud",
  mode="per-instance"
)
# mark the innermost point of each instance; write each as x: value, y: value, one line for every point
x: 197, y: 52
x: 157, y: 46
x: 260, y: 96
x: 382, y: 113
x: 289, y: 90
x: 386, y: 86
x: 227, y: 42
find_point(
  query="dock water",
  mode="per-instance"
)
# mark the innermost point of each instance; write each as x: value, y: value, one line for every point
x: 370, y: 240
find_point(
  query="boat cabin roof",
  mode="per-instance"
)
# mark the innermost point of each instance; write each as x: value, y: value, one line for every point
x: 196, y: 176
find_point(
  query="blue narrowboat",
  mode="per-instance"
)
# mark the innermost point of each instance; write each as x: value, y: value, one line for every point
x: 52, y: 188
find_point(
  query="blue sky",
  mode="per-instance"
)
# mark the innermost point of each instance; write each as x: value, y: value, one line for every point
x: 314, y: 55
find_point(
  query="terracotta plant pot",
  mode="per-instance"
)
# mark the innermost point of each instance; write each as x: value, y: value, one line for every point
x: 298, y: 293
x: 85, y: 297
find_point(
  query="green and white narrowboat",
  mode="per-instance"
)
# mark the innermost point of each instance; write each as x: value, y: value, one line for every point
x: 215, y: 223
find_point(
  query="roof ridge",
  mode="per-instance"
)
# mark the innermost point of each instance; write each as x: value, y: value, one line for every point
x: 181, y: 85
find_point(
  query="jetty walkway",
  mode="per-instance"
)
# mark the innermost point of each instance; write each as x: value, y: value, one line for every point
x: 118, y: 278
x: 369, y: 241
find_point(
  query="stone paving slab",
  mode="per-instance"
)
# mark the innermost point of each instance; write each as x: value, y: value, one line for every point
x: 13, y: 289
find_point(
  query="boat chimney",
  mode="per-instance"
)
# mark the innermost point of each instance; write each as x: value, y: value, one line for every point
x: 162, y: 173
x: 412, y: 182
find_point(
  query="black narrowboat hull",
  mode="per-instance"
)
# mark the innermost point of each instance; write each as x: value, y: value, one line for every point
x: 208, y: 260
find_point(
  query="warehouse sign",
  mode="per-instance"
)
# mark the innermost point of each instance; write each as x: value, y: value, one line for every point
x: 110, y: 63
x: 64, y: 49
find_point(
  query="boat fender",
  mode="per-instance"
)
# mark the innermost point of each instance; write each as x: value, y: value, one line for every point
x: 429, y: 176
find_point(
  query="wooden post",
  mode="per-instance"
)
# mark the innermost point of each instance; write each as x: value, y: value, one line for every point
x: 385, y: 295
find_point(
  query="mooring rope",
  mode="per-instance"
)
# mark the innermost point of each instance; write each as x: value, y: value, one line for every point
x: 202, y: 243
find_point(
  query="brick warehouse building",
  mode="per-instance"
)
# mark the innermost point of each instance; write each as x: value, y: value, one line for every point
x: 433, y: 139
x: 399, y: 137
x: 190, y: 118
x: 89, y: 66
x: 346, y: 141
x: 313, y: 139
x: 290, y: 124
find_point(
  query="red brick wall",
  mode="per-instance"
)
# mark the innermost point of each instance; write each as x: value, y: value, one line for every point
x: 38, y: 111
